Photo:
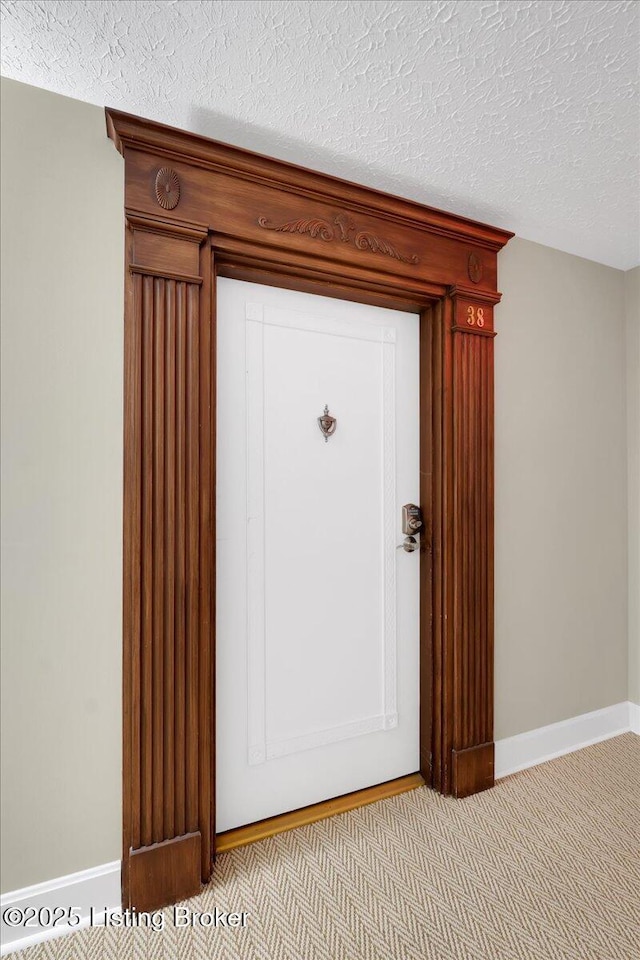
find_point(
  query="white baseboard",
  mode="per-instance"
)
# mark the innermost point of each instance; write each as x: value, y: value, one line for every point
x: 546, y: 743
x: 634, y: 717
x: 96, y: 890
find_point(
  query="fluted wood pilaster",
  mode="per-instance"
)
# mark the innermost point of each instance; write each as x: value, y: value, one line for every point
x: 457, y: 491
x: 471, y: 547
x: 168, y: 559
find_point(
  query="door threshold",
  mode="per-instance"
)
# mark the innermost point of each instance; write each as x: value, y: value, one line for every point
x: 252, y: 832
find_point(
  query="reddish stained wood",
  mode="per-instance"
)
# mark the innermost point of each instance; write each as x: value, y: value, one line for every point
x: 427, y: 322
x: 472, y: 769
x: 169, y: 464
x: 180, y: 574
x: 463, y: 469
x: 147, y: 553
x: 489, y: 538
x: 472, y: 545
x: 192, y: 558
x: 436, y: 643
x: 484, y: 731
x: 206, y: 684
x: 473, y: 552
x: 477, y: 718
x: 158, y: 560
x: 448, y: 708
x: 163, y: 873
x: 131, y: 566
x: 163, y: 709
x: 218, y: 179
x: 169, y: 560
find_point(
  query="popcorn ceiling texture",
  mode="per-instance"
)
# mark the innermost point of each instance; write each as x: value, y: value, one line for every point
x: 518, y: 112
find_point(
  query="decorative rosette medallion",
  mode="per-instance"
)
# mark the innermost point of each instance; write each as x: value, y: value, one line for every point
x: 474, y: 268
x: 167, y: 188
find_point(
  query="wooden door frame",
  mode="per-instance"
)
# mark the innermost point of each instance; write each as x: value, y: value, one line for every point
x: 196, y: 209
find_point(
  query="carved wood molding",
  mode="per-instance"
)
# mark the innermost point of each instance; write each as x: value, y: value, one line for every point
x: 189, y: 150
x: 167, y: 184
x: 169, y: 457
x: 461, y: 291
x: 475, y: 268
x: 343, y: 229
x: 181, y: 229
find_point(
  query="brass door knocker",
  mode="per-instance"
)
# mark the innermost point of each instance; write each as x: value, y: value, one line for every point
x: 327, y: 424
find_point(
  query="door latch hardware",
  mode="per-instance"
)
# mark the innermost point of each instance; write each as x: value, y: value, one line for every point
x: 411, y: 519
x: 411, y: 526
x: 409, y: 544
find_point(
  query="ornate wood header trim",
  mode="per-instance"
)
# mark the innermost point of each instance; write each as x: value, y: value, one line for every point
x: 196, y: 209
x: 128, y: 131
x: 342, y: 228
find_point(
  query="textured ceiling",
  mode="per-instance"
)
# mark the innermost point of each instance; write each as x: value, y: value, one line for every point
x: 524, y: 114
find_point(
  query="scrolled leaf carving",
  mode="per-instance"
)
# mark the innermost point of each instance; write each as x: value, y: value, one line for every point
x: 343, y: 229
x: 368, y: 241
x: 314, y: 226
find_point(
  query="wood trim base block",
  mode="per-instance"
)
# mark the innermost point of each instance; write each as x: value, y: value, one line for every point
x: 164, y: 873
x: 473, y: 769
x: 241, y: 836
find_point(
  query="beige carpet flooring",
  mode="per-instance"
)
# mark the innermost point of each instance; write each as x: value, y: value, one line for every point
x: 545, y: 866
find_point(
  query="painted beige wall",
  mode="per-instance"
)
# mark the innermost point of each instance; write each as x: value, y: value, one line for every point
x: 62, y: 256
x: 561, y: 636
x: 632, y: 318
x: 561, y: 488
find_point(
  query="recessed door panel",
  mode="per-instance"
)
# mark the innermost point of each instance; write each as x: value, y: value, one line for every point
x: 317, y: 670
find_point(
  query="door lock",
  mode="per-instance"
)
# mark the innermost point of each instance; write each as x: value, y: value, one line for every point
x: 411, y: 519
x: 411, y: 526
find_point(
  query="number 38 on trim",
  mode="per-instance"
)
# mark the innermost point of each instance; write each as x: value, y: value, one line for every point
x: 475, y: 316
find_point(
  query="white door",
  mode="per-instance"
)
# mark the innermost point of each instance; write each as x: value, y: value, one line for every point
x: 317, y: 609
